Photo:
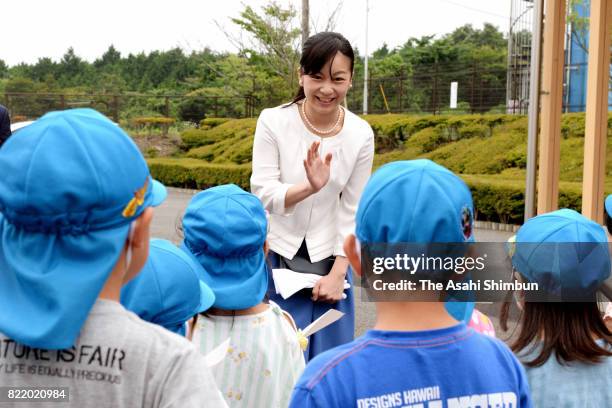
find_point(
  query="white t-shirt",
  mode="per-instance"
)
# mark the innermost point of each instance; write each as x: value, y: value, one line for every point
x: 119, y: 360
x: 264, y: 359
x: 327, y: 217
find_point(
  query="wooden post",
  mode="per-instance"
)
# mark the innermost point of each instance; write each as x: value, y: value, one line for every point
x: 596, y: 116
x: 552, y: 99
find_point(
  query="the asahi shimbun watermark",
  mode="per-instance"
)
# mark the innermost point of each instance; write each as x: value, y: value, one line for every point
x: 466, y: 271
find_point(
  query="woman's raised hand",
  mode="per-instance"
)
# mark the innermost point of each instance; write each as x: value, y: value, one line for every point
x: 317, y: 170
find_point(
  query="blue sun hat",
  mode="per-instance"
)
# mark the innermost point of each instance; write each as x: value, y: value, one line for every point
x: 564, y: 252
x: 168, y: 291
x: 608, y: 205
x: 225, y: 229
x: 72, y: 183
x: 417, y: 201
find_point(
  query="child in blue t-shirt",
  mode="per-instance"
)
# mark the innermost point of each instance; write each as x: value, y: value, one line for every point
x: 564, y: 344
x: 417, y: 355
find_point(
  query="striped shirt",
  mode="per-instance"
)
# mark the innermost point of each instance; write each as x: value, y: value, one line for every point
x: 264, y: 359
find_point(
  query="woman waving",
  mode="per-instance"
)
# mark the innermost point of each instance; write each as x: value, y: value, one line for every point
x: 311, y: 160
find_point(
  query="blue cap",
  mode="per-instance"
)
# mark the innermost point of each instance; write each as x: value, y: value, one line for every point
x: 562, y: 250
x: 168, y: 291
x: 415, y: 201
x: 225, y: 229
x: 72, y: 182
x: 608, y: 205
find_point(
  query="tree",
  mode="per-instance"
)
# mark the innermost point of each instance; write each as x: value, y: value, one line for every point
x: 73, y: 70
x: 3, y: 69
x: 44, y: 69
x: 110, y: 57
x: 273, y: 41
x: 381, y: 52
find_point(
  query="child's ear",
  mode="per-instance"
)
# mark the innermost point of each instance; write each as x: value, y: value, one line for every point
x: 139, y: 244
x: 266, y: 248
x: 352, y: 253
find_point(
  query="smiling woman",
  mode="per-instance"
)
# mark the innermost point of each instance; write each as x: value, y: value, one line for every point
x: 312, y: 204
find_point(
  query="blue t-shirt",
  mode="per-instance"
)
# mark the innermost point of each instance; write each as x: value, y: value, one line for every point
x: 570, y: 385
x: 453, y: 367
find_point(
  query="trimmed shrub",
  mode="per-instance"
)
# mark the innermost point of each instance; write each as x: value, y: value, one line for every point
x: 235, y: 128
x: 189, y: 173
x: 495, y: 198
x: 210, y: 123
x: 151, y: 121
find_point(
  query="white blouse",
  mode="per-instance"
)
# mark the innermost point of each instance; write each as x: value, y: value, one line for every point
x: 324, y: 219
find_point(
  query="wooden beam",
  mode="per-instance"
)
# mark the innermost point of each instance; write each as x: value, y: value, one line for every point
x: 596, y: 117
x: 552, y: 98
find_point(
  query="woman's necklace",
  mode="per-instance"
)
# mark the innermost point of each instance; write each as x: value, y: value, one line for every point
x: 320, y: 131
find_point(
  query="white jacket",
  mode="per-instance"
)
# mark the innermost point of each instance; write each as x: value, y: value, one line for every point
x: 324, y: 218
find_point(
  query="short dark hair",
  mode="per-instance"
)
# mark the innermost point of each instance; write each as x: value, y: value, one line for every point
x: 318, y: 49
x: 608, y: 222
x: 567, y: 329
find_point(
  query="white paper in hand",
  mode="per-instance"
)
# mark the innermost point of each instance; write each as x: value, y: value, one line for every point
x: 287, y: 282
x: 322, y: 322
x: 217, y: 354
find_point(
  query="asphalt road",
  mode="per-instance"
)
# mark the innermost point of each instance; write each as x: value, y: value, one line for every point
x: 168, y: 215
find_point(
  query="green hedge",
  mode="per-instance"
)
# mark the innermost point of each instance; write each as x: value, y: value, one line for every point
x: 503, y: 200
x: 190, y: 173
x: 495, y: 199
x: 210, y: 123
x: 236, y: 149
x: 488, y: 151
x: 391, y: 131
x: 232, y: 129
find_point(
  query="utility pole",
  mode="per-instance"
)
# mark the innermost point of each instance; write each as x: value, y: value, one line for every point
x: 365, y: 65
x: 305, y: 19
x: 534, y: 111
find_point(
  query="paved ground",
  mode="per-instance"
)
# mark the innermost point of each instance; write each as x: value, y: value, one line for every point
x: 167, y: 218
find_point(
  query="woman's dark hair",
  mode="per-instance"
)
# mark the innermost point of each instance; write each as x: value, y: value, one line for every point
x: 319, y: 49
x: 567, y: 329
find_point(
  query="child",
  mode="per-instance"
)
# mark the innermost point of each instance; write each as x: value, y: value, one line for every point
x: 75, y: 198
x: 566, y: 346
x: 417, y: 354
x: 225, y: 229
x: 168, y: 291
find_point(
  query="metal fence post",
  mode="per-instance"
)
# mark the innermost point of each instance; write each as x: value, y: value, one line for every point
x: 434, y: 92
x: 401, y: 90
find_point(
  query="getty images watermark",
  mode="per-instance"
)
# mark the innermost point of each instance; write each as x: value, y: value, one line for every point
x: 466, y: 272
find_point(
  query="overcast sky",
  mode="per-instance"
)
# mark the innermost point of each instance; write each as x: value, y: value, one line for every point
x: 33, y: 29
